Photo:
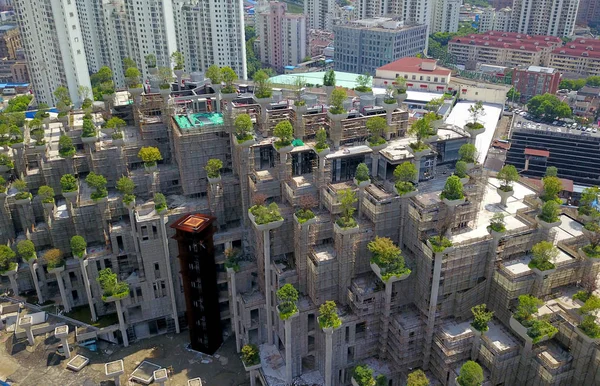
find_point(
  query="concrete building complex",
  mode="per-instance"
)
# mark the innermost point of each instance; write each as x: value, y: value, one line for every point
x: 535, y: 80
x: 281, y: 35
x: 319, y: 14
x: 495, y: 20
x: 358, y: 44
x: 581, y: 57
x: 206, y: 263
x: 444, y: 16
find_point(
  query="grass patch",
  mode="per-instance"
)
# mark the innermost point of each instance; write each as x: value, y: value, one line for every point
x: 591, y: 251
x: 541, y: 265
x: 82, y: 313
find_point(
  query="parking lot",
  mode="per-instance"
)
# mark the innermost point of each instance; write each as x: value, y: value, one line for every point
x: 525, y: 121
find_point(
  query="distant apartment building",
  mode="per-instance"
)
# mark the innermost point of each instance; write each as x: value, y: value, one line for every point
x: 444, y: 17
x: 580, y: 58
x: 541, y: 17
x: 589, y: 12
x: 319, y: 14
x: 318, y: 41
x: 281, y: 35
x: 362, y: 46
x: 535, y: 80
x: 20, y: 72
x: 420, y: 74
x: 503, y: 49
x: 10, y: 41
x: 495, y: 20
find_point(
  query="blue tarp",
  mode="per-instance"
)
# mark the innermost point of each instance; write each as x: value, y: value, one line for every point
x: 31, y: 115
x: 13, y: 85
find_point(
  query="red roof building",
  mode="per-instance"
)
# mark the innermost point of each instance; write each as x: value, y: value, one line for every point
x: 420, y: 74
x: 580, y: 57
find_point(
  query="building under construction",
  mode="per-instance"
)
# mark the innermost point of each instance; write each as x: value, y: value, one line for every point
x: 421, y: 321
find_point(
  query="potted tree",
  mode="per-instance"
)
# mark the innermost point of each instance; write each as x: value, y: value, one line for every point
x: 63, y: 104
x: 361, y: 176
x: 285, y: 132
x: 400, y: 85
x: 287, y: 296
x: 243, y: 131
x: 150, y: 60
x: 329, y: 82
x: 179, y: 63
x: 346, y: 223
x: 321, y: 147
x: 471, y: 374
x: 526, y: 325
x: 26, y: 250
x: 46, y: 194
x: 55, y: 263
x: 363, y: 376
x: 417, y: 378
x: 116, y: 125
x: 387, y: 261
x: 337, y: 112
x: 377, y: 127
x: 69, y: 186
x: 497, y: 225
x: 89, y: 132
x: 265, y: 217
x: 299, y: 103
x: 213, y: 72
x: 78, y: 246
x: 440, y: 244
x: 468, y: 154
x: 229, y: 76
x: 16, y: 137
x: 552, y: 187
x: 112, y: 289
x: 97, y: 182
x: 304, y: 214
x: 213, y: 170
x: 6, y: 163
x: 250, y: 357
x: 475, y: 111
x: 435, y: 121
x: 421, y: 130
x: 390, y: 102
x: 160, y: 203
x: 8, y: 265
x: 452, y: 194
x: 481, y: 318
x: 165, y: 76
x: 364, y: 85
x: 150, y: 155
x: 589, y: 329
x: 405, y: 174
x: 548, y: 217
x: 232, y: 261
x: 543, y: 259
x: 66, y: 149
x: 263, y: 90
x: 588, y: 198
x: 460, y: 170
x: 507, y: 175
x: 38, y: 134
x: 23, y: 196
x: 3, y: 187
x: 126, y: 187
x: 329, y: 319
x: 132, y: 79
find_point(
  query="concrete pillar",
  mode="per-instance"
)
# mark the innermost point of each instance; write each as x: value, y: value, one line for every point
x: 417, y: 163
x: 62, y: 333
x: 475, y: 347
x: 328, y: 355
x: 12, y: 276
x: 267, y: 254
x: 122, y: 326
x: 114, y: 370
x: 83, y: 263
x: 361, y: 196
x: 235, y: 320
x: 165, y: 242
x: 161, y: 376
x: 389, y: 285
x: 25, y: 323
x: 491, y: 260
x: 252, y: 377
x: 435, y: 287
x: 289, y: 368
x: 32, y: 268
x: 61, y: 287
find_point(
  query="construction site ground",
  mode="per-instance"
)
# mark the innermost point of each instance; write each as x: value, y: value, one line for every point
x: 41, y: 365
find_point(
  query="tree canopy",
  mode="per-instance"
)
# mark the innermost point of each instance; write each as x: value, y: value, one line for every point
x: 548, y: 105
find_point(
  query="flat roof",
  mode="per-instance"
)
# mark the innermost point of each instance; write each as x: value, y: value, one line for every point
x: 412, y: 64
x: 342, y: 79
x: 537, y: 152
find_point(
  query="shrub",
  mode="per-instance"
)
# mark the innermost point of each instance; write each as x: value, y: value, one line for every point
x: 250, y: 355
x: 388, y: 257
x: 528, y: 305
x: 417, y: 378
x: 54, y: 258
x: 178, y: 59
x: 98, y: 182
x: 111, y: 287
x: 65, y: 146
x: 115, y: 123
x: 231, y: 259
x: 381, y: 380
x: 582, y: 296
x: 150, y: 60
x: 38, y: 135
x: 329, y: 78
x: 6, y: 161
x: 243, y: 127
x: 229, y: 76
x: 460, y: 169
x: 132, y: 77
x: 590, y: 327
x: 26, y: 249
x: 7, y: 259
x: 550, y: 212
x: 328, y: 316
x: 160, y: 202
x: 285, y: 132
x: 377, y: 127
x: 88, y: 128
x: 287, y: 296
x: 165, y: 74
x: 467, y: 153
x: 420, y: 129
x: 439, y: 243
x: 266, y: 214
x: 303, y: 215
x: 338, y: 96
x: 321, y: 137
x: 363, y: 375
x: 126, y: 186
x: 213, y: 72
x: 588, y: 197
x: 405, y: 173
x: 16, y: 135
x: 551, y: 171
x: 539, y: 329
x: 2, y: 185
x: 508, y: 174
x: 46, y: 193
x: 78, y: 246
x: 213, y: 168
x: 23, y: 190
x: 453, y: 190
x: 68, y: 183
x: 497, y: 222
x: 362, y: 172
x: 544, y: 254
x: 347, y: 199
x: 471, y: 374
x: 150, y: 155
x: 481, y: 317
x: 364, y: 81
x: 552, y: 186
x: 262, y: 85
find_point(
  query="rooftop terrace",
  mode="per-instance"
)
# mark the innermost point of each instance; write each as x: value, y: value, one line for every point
x: 198, y: 120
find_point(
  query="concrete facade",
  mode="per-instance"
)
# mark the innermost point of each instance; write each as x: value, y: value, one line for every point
x: 535, y: 80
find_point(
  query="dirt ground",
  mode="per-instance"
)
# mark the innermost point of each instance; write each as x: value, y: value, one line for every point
x: 41, y: 366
